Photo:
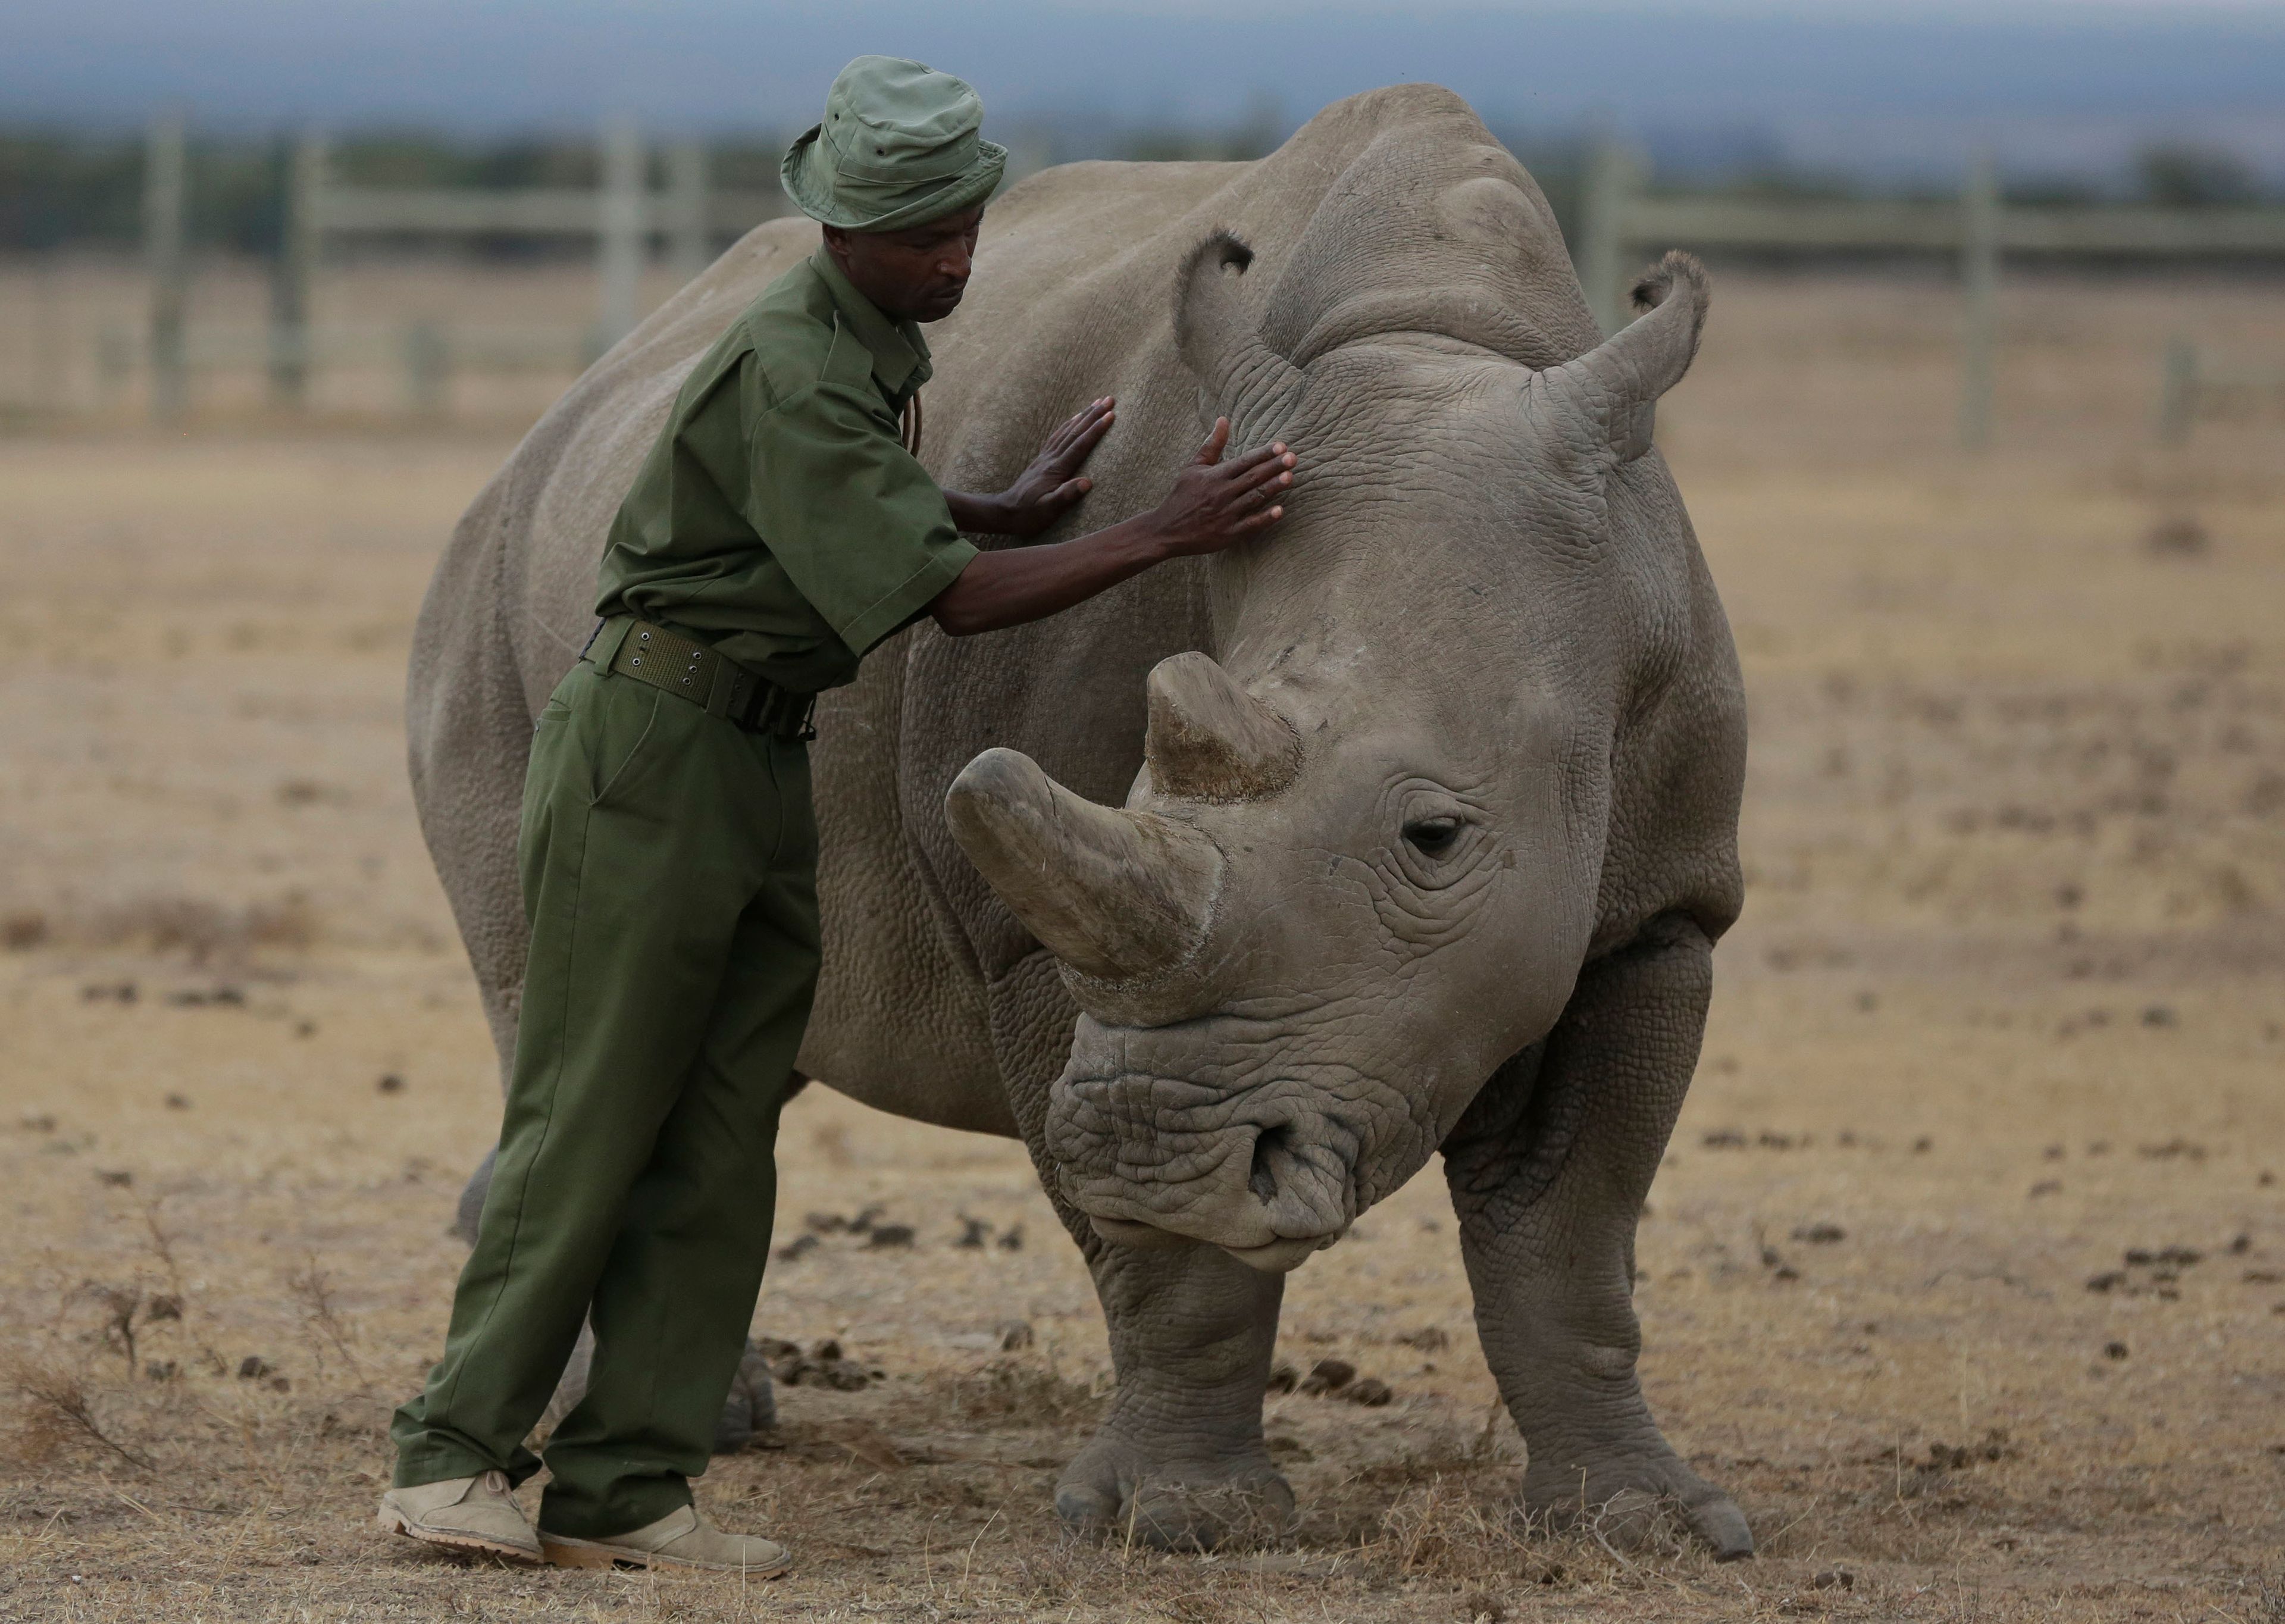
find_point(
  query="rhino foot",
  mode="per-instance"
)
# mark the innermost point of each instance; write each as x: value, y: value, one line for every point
x: 752, y: 1408
x: 1629, y: 1501
x: 1117, y: 1490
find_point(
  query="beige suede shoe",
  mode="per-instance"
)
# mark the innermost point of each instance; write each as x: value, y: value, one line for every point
x: 468, y: 1513
x: 680, y: 1538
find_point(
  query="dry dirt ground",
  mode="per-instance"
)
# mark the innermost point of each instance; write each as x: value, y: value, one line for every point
x: 1965, y: 1273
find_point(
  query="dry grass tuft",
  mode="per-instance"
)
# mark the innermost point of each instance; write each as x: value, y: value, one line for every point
x: 60, y: 1410
x: 1017, y: 1390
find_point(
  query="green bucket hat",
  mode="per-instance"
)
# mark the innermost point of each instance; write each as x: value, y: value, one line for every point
x: 899, y: 146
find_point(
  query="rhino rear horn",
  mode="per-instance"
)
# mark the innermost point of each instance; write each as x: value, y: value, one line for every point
x: 1209, y: 740
x: 1244, y: 379
x: 1617, y: 384
x: 1115, y: 895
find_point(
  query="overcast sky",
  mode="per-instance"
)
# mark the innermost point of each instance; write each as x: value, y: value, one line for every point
x: 720, y: 65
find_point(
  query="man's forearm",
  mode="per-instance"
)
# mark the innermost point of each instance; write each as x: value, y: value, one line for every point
x: 1023, y: 584
x: 979, y: 515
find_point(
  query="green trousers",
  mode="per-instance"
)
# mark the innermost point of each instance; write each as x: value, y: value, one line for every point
x: 669, y: 862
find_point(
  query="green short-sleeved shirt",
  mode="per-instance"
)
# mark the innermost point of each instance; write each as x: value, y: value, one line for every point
x: 779, y: 517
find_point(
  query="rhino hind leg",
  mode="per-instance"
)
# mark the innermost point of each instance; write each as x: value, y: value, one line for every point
x: 750, y: 1410
x: 1548, y: 1171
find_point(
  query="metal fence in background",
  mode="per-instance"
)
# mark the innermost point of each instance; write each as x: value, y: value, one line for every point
x: 1622, y: 219
x: 623, y: 217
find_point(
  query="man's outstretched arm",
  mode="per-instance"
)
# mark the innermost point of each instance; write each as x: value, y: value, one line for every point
x: 1214, y: 505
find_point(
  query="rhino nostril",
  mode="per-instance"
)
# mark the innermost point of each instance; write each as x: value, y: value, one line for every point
x: 1269, y: 1146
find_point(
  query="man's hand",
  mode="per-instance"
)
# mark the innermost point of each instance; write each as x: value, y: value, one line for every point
x: 1046, y: 491
x: 1216, y: 504
x: 1212, y: 506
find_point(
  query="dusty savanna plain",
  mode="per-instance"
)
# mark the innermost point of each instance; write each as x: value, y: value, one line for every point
x: 1965, y: 1272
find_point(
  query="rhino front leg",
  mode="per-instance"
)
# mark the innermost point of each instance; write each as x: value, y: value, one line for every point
x: 1180, y: 1461
x: 1548, y: 1171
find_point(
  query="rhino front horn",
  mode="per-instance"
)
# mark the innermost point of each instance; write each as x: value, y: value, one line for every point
x: 1115, y: 895
x: 1209, y: 740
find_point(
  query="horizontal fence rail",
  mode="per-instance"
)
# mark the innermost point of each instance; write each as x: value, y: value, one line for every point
x: 382, y: 211
x: 623, y: 215
x: 1622, y: 221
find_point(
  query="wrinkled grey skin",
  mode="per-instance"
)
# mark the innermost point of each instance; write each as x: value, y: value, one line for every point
x: 1266, y: 1004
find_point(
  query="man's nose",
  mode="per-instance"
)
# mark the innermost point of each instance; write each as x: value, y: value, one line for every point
x: 955, y: 262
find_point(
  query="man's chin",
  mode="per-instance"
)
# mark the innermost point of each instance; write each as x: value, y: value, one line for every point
x: 937, y: 310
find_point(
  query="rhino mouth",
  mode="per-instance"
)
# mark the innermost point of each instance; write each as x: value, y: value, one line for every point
x: 1267, y: 1173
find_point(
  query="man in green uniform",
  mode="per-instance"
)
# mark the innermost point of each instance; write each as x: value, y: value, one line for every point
x: 780, y: 529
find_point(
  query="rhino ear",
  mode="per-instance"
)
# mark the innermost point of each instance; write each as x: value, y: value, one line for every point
x: 1616, y: 385
x: 1243, y: 378
x: 1209, y: 740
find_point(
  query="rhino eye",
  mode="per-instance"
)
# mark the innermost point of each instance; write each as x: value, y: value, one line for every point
x: 1432, y: 837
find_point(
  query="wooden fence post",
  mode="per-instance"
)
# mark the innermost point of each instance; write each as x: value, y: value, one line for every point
x: 2178, y: 396
x: 291, y: 355
x: 620, y: 255
x: 166, y: 196
x: 690, y: 210
x: 1979, y: 277
x: 427, y: 366
x: 1614, y: 175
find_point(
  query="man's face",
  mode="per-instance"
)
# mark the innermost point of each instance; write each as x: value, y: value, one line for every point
x: 916, y: 274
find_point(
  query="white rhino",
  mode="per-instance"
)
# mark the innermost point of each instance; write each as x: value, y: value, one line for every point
x: 1239, y: 890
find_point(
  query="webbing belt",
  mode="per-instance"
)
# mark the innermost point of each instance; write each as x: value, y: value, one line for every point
x: 690, y: 670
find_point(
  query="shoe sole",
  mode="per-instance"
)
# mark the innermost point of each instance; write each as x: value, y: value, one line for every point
x: 588, y: 1553
x: 394, y: 1521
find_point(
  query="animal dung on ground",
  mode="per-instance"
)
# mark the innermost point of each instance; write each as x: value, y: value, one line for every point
x: 1329, y: 1376
x: 1284, y: 1378
x: 1428, y: 1339
x: 253, y: 1368
x: 797, y: 1248
x: 1013, y: 1241
x: 822, y: 1366
x: 1820, y: 1235
x: 2178, y: 535
x: 390, y: 1083
x: 1370, y: 1392
x: 882, y: 1236
x: 2170, y: 1257
x: 178, y: 1101
x: 117, y: 1178
x: 1834, y: 1579
x: 834, y: 1223
x: 162, y: 1308
x: 973, y: 1233
x: 2113, y: 1350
